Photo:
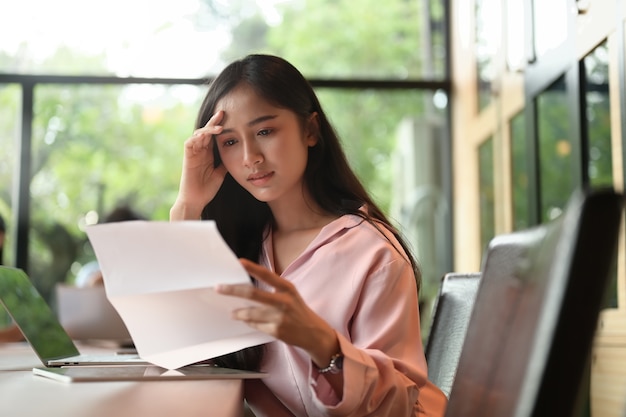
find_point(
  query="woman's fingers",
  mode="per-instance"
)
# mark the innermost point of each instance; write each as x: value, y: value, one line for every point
x: 250, y: 292
x: 267, y: 321
x: 258, y: 315
x: 216, y: 118
x: 202, y: 138
x: 265, y: 275
x: 279, y: 300
x: 267, y: 317
x: 212, y: 127
x: 280, y: 313
x: 200, y: 179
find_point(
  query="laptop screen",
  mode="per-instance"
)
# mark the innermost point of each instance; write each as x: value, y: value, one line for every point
x: 86, y: 314
x: 33, y: 316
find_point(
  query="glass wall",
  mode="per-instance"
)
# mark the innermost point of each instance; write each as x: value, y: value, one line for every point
x: 556, y: 164
x: 9, y: 133
x: 488, y: 28
x: 549, y: 25
x: 486, y: 192
x: 598, y: 111
x: 9, y: 122
x: 196, y: 38
x: 95, y: 148
x: 519, y: 172
x: 101, y: 143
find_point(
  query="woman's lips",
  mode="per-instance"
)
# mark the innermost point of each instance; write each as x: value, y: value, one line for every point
x: 260, y: 178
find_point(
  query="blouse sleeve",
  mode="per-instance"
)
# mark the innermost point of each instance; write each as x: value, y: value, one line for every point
x: 384, y: 368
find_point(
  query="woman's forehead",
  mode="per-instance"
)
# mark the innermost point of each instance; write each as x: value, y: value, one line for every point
x: 241, y: 96
x: 243, y: 104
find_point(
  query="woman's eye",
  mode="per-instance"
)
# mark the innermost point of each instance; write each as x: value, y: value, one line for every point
x: 229, y: 142
x: 264, y: 132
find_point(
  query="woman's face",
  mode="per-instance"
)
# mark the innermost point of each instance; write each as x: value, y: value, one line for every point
x: 263, y: 147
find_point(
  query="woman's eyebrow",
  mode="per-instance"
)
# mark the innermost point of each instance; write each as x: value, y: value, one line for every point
x: 252, y: 122
x: 262, y: 119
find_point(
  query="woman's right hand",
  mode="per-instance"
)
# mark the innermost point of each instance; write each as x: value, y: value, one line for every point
x: 200, y: 179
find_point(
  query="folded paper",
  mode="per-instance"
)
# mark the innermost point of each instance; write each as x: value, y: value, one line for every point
x: 160, y: 277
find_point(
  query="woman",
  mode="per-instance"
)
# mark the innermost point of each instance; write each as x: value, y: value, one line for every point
x: 336, y: 282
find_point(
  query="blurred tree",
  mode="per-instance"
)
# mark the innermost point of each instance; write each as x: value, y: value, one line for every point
x: 327, y: 38
x: 334, y: 39
x: 93, y: 151
x: 95, y: 146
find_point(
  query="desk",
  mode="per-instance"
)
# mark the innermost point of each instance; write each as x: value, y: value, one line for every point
x: 23, y: 394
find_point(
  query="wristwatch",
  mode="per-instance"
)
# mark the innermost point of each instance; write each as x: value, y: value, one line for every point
x: 335, y: 366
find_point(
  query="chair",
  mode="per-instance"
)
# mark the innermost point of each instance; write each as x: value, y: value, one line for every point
x: 450, y: 317
x: 529, y: 337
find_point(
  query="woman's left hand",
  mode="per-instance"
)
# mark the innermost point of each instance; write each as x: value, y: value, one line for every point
x: 283, y: 314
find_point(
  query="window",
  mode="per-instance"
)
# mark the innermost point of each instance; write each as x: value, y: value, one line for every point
x: 556, y: 167
x: 100, y: 139
x: 488, y: 29
x: 600, y: 169
x: 486, y: 192
x: 519, y: 174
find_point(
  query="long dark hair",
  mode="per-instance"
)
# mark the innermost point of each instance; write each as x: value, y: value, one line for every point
x: 241, y: 218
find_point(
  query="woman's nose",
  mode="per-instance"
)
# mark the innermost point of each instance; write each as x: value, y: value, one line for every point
x: 251, y: 153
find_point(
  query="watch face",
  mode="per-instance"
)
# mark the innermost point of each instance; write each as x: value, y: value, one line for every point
x: 336, y: 364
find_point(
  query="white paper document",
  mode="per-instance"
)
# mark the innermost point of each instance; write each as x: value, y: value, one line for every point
x: 160, y: 277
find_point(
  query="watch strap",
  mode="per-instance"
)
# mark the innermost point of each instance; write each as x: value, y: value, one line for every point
x: 335, y: 365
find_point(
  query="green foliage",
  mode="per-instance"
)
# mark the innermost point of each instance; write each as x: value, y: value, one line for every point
x: 486, y: 192
x: 366, y: 122
x: 556, y: 163
x: 327, y: 38
x: 519, y: 168
x: 97, y: 146
x: 335, y: 39
x: 9, y: 97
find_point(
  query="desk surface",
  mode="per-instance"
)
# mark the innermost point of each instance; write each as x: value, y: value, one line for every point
x: 25, y: 394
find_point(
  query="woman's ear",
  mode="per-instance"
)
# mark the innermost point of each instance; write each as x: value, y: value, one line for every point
x: 312, y: 130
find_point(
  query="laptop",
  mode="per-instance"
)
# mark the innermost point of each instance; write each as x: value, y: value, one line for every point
x: 42, y: 329
x: 143, y: 373
x: 87, y: 314
x: 61, y: 359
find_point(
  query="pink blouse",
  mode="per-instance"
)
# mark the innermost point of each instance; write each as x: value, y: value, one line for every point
x: 352, y: 276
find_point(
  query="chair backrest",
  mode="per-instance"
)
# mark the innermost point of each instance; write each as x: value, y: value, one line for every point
x: 535, y: 314
x: 451, y: 313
